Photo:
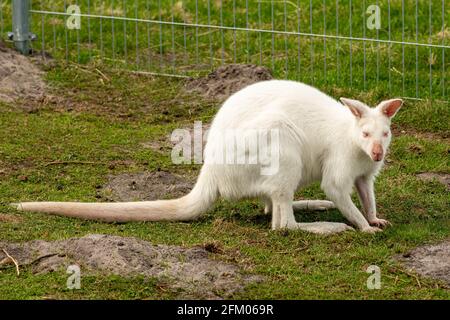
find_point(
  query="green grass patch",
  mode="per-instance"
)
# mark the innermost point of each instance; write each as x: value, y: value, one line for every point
x: 296, y: 265
x: 387, y: 69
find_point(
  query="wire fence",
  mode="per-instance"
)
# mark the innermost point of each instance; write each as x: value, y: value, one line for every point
x: 391, y: 47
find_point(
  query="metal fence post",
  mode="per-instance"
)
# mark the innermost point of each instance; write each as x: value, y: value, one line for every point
x: 21, y: 33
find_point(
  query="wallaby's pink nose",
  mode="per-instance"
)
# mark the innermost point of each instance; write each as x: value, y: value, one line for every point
x: 377, y: 152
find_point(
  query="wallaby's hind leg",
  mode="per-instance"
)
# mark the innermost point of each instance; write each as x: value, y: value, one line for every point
x: 276, y: 214
x: 267, y: 205
x: 283, y: 217
x: 313, y: 205
x: 282, y: 213
x: 323, y: 227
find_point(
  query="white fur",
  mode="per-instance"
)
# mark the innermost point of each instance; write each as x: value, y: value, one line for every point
x: 320, y: 140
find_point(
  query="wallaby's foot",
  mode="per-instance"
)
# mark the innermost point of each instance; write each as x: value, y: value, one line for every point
x: 371, y: 230
x: 319, y: 205
x: 322, y: 227
x: 16, y: 206
x: 380, y: 223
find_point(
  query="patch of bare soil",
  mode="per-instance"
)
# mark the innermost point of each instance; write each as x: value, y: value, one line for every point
x: 19, y: 77
x: 443, y: 178
x: 430, y: 261
x: 9, y: 218
x: 146, y: 186
x: 401, y: 131
x: 228, y: 79
x: 188, y: 271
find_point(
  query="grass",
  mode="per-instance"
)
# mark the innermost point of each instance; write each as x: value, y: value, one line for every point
x: 109, y: 122
x: 108, y: 117
x: 364, y: 66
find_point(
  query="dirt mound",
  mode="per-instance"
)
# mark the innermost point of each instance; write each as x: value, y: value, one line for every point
x: 19, y: 77
x: 9, y: 218
x: 146, y: 186
x: 188, y: 271
x: 228, y: 79
x: 443, y: 178
x: 430, y: 261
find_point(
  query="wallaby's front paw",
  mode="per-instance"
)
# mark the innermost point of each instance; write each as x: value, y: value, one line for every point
x: 380, y: 223
x: 371, y: 230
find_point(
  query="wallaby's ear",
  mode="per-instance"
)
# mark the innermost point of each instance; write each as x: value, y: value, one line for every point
x: 390, y: 107
x: 356, y: 107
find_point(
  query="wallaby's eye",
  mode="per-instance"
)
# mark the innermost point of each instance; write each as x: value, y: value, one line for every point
x: 366, y: 134
x: 385, y: 134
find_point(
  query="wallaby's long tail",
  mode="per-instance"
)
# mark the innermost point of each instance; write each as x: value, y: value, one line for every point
x: 185, y: 208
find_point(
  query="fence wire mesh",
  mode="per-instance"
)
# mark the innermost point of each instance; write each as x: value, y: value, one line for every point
x: 320, y: 42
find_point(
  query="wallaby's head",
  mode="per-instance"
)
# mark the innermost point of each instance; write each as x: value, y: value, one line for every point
x: 372, y: 131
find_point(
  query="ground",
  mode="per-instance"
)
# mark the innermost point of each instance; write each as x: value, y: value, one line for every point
x: 188, y: 272
x: 95, y: 128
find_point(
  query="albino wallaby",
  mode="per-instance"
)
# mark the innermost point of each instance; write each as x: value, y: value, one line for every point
x: 319, y: 140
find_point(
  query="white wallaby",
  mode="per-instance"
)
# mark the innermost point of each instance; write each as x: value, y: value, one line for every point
x: 319, y: 140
